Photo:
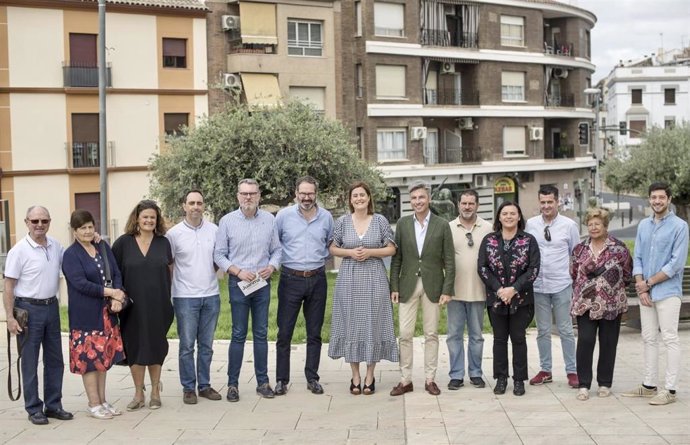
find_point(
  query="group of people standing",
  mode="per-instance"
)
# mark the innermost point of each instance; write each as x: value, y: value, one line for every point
x: 122, y: 301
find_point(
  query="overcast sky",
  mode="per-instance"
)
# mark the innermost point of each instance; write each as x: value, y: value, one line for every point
x: 629, y: 29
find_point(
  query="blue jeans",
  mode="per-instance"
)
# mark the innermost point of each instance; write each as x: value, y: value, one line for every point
x: 557, y: 304
x: 44, y: 330
x: 461, y: 313
x: 295, y: 293
x: 196, y: 323
x: 240, y: 306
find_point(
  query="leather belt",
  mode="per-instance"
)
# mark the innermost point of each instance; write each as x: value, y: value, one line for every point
x: 37, y: 301
x: 303, y: 273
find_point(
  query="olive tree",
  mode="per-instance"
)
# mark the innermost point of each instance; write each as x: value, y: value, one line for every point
x: 664, y: 155
x: 274, y: 145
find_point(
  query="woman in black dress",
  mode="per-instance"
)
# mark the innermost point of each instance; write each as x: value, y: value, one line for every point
x: 144, y: 257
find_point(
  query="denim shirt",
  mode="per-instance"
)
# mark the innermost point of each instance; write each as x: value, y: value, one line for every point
x: 662, y: 246
x: 305, y: 243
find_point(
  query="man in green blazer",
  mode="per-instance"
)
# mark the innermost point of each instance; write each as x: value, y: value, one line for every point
x: 422, y: 270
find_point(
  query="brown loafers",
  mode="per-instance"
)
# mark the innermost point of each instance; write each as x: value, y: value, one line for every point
x: 401, y: 389
x: 432, y: 388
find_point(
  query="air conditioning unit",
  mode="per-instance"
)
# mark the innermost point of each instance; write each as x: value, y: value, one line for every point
x: 560, y: 73
x: 536, y: 133
x: 465, y: 123
x: 480, y: 181
x: 448, y: 68
x: 232, y: 81
x: 230, y: 22
x: 417, y: 133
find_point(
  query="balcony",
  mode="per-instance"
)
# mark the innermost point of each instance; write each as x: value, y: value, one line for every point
x: 564, y: 152
x: 81, y: 76
x: 559, y: 49
x: 439, y: 37
x: 447, y: 154
x: 560, y: 100
x: 450, y: 96
x: 84, y: 154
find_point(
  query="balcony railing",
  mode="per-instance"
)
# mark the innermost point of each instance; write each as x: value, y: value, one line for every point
x: 564, y: 151
x: 450, y: 96
x: 559, y: 49
x: 439, y: 37
x: 83, y: 76
x: 560, y: 100
x: 472, y: 154
x: 84, y: 154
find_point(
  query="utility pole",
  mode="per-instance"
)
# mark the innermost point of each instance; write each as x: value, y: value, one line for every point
x: 102, y: 137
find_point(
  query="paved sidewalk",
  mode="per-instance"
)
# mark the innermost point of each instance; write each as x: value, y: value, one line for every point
x: 548, y: 414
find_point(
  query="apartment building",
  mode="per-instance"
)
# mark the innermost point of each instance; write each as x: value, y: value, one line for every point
x: 484, y: 94
x: 157, y: 81
x: 652, y: 91
x: 262, y: 52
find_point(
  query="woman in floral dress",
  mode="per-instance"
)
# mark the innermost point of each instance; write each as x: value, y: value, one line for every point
x: 95, y: 340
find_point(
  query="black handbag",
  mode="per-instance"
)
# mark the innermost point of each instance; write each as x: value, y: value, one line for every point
x: 22, y: 317
x: 109, y: 281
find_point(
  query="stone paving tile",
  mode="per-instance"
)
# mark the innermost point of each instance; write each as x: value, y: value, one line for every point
x: 469, y: 415
x: 624, y: 439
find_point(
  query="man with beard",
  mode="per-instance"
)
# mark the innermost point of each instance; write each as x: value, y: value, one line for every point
x: 196, y: 296
x: 248, y: 249
x: 32, y: 272
x: 467, y: 306
x: 304, y: 230
x: 661, y: 248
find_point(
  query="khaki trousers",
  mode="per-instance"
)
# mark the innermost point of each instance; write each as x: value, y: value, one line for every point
x: 407, y: 318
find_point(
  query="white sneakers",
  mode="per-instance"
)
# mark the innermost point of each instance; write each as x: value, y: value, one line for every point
x: 663, y: 398
x: 640, y: 391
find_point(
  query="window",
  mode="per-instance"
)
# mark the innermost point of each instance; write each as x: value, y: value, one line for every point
x: 636, y: 96
x: 175, y: 53
x: 514, y: 141
x: 588, y: 44
x: 304, y: 38
x: 512, y: 86
x: 359, y: 78
x: 313, y: 96
x: 391, y: 144
x: 637, y: 127
x: 389, y: 19
x: 82, y: 50
x: 360, y: 142
x: 669, y: 122
x: 174, y: 122
x: 512, y: 30
x: 85, y: 137
x: 390, y: 81
x: 358, y: 18
x: 669, y: 96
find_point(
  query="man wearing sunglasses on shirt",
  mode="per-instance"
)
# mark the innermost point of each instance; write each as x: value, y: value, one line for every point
x: 467, y: 306
x: 557, y: 236
x: 32, y: 272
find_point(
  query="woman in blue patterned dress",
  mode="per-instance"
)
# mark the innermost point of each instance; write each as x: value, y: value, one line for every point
x: 362, y: 321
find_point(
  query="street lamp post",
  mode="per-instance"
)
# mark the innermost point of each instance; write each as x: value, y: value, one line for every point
x: 102, y: 138
x: 596, y: 92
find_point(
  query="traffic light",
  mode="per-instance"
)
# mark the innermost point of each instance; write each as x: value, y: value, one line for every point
x: 622, y: 129
x: 583, y: 133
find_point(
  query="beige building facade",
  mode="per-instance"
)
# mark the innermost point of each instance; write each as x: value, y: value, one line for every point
x: 157, y: 81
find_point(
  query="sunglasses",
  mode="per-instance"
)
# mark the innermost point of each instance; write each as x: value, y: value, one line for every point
x: 547, y: 234
x: 470, y: 241
x: 42, y: 221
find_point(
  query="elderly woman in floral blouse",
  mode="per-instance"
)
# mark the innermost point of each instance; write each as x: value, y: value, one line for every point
x: 601, y: 268
x: 508, y: 264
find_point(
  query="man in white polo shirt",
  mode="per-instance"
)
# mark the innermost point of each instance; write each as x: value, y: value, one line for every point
x: 196, y: 297
x: 32, y: 271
